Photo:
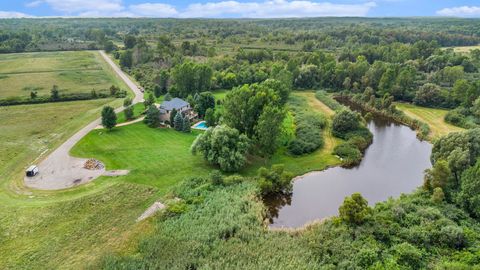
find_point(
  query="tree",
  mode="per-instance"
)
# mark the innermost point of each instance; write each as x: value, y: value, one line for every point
x: 54, y: 93
x: 33, y: 94
x: 109, y: 118
x: 126, y: 60
x: 152, y: 117
x: 268, y: 128
x: 167, y: 97
x: 129, y: 41
x: 354, y: 209
x: 204, y: 101
x: 150, y: 100
x: 186, y: 125
x: 173, y: 113
x: 178, y: 122
x: 437, y: 176
x: 343, y: 122
x: 113, y: 90
x: 429, y: 95
x: 469, y: 195
x: 222, y: 146
x: 109, y: 46
x: 127, y: 104
x: 274, y: 181
x: 210, y: 118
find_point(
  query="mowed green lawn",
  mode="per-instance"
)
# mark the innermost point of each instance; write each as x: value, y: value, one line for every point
x: 72, y: 72
x: 433, y: 117
x: 158, y: 157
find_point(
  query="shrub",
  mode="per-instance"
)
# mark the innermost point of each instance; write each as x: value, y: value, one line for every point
x: 344, y: 122
x: 308, y: 133
x: 274, y: 181
x: 350, y: 154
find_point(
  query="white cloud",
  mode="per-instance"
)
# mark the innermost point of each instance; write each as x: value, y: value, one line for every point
x: 229, y: 8
x: 464, y: 11
x: 153, y: 10
x: 13, y: 14
x: 276, y: 9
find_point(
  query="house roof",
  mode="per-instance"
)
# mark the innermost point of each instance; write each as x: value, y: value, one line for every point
x: 175, y: 103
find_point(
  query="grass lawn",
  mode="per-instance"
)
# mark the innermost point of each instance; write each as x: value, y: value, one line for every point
x: 157, y: 157
x: 433, y: 117
x: 73, y: 72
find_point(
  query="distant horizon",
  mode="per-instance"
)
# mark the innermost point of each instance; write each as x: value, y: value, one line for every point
x: 240, y: 9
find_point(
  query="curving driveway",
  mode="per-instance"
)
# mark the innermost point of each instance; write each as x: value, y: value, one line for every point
x: 59, y: 170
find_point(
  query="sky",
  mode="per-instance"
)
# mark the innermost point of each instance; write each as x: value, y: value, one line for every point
x: 238, y: 8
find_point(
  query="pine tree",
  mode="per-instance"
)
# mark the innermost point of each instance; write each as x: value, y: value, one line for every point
x: 186, y: 125
x: 152, y: 118
x: 109, y: 118
x: 178, y: 122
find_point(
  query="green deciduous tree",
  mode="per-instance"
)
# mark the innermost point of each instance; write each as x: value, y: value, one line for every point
x: 437, y: 176
x: 354, y: 209
x: 109, y: 118
x: 275, y: 180
x: 210, y: 118
x: 127, y: 104
x: 222, y: 146
x: 268, y: 129
x: 344, y: 122
x: 469, y: 195
x: 204, y: 101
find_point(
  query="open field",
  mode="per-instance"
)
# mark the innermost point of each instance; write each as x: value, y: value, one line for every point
x: 433, y: 117
x: 65, y: 229
x: 465, y: 49
x: 72, y: 72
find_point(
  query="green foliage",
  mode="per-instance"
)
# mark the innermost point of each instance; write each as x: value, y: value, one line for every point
x: 190, y: 77
x: 54, y: 93
x: 222, y: 146
x: 173, y: 114
x: 408, y: 255
x: 344, y: 122
x: 268, y: 129
x: 437, y: 177
x: 274, y: 180
x: 438, y: 195
x: 178, y: 122
x: 152, y: 117
x: 349, y: 153
x: 354, y: 210
x: 205, y: 101
x: 167, y: 97
x: 126, y: 59
x: 186, y: 125
x: 109, y: 118
x: 429, y: 95
x: 469, y: 195
x: 210, y: 117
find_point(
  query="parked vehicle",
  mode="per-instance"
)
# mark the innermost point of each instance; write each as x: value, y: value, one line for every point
x: 32, y: 171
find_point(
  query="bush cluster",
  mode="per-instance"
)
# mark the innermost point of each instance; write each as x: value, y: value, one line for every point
x: 308, y: 133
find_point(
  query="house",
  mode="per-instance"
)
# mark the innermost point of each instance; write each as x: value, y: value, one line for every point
x: 179, y: 105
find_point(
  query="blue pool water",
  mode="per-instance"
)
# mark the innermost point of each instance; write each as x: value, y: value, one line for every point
x: 201, y: 125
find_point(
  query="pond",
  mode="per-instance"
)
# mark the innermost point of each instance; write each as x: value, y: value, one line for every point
x: 393, y: 164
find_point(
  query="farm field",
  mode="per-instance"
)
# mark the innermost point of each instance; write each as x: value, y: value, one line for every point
x: 30, y: 132
x: 72, y: 72
x: 433, y: 117
x: 465, y: 49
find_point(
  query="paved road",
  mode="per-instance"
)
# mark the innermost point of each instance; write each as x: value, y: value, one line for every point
x: 59, y: 170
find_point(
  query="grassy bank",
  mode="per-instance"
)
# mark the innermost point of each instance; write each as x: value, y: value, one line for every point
x: 433, y: 117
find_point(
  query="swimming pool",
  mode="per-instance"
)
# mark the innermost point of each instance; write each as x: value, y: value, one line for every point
x: 200, y: 125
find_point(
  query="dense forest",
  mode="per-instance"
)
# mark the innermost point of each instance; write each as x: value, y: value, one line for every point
x: 218, y: 222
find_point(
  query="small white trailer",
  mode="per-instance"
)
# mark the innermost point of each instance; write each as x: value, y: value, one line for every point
x: 32, y: 171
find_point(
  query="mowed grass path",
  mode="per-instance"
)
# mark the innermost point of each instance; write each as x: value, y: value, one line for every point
x: 158, y: 157
x: 433, y: 117
x: 73, y: 72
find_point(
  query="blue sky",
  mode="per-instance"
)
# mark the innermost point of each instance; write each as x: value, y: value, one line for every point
x: 238, y: 8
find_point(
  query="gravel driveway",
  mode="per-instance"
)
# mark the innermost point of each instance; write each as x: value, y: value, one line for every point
x: 59, y: 170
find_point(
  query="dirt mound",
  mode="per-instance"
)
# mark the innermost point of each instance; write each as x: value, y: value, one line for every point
x: 93, y: 164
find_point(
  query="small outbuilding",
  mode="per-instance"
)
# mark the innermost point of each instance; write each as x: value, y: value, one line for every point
x: 32, y: 171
